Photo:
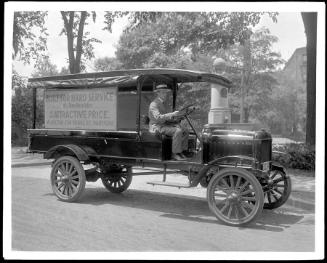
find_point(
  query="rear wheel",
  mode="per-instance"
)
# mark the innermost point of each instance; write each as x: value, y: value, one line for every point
x: 277, y: 190
x: 67, y: 178
x: 117, y: 179
x: 235, y: 196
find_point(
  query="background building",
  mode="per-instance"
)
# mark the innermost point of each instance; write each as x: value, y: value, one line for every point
x: 293, y: 88
x: 296, y: 67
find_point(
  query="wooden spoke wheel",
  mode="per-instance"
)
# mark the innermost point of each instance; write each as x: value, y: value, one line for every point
x: 117, y: 179
x: 235, y: 196
x: 67, y: 178
x: 277, y: 190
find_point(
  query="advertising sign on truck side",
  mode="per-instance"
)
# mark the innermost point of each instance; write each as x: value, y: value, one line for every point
x: 81, y: 109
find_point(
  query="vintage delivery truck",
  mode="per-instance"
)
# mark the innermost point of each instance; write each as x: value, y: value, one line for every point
x: 96, y: 127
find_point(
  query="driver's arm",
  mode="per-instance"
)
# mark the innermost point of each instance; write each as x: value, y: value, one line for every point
x: 155, y: 114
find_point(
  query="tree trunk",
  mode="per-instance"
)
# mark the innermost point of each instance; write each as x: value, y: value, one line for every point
x: 79, y: 50
x: 310, y: 26
x: 70, y: 39
x: 246, y: 72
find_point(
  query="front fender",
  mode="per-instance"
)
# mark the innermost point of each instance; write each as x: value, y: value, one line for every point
x: 279, y: 167
x: 219, y: 161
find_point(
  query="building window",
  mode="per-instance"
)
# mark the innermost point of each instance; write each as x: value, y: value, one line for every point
x: 304, y: 58
x: 303, y: 70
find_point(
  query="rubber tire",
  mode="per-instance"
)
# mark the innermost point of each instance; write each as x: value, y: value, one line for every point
x: 82, y: 179
x: 286, y: 194
x: 122, y: 188
x: 249, y: 177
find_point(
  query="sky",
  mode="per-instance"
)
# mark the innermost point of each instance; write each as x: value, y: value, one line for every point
x: 289, y: 29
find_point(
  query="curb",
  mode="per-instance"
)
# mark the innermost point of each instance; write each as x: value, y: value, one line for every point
x: 300, y: 204
x: 29, y: 164
x: 302, y: 199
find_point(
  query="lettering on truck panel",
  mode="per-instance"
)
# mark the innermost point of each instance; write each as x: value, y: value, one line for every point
x: 81, y: 109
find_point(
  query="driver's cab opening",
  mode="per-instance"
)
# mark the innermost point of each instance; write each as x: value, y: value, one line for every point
x: 133, y: 104
x: 170, y: 101
x: 133, y: 113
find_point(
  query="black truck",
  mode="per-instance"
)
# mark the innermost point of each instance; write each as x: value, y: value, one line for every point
x: 96, y: 127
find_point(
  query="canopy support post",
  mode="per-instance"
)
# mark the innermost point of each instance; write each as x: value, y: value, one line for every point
x: 140, y: 81
x: 34, y: 109
x: 174, y: 93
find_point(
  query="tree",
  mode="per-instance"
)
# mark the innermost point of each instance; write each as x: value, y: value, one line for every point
x: 29, y: 35
x: 250, y: 67
x: 21, y: 109
x: 168, y: 33
x: 21, y: 115
x: 45, y: 68
x: 107, y: 64
x: 163, y: 41
x: 310, y: 26
x: 74, y: 23
x: 79, y: 44
x: 64, y: 71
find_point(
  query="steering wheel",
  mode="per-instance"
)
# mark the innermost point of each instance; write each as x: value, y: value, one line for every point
x: 188, y: 110
x: 188, y: 106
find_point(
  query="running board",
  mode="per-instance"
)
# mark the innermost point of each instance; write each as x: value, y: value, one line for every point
x: 179, y: 185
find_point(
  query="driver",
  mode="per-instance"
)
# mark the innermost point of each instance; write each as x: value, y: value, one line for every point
x: 168, y: 123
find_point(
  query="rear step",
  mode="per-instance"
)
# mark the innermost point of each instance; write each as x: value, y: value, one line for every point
x: 179, y: 185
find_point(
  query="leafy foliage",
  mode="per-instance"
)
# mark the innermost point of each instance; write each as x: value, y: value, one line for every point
x: 110, y: 17
x: 135, y: 48
x: 21, y: 109
x: 201, y: 32
x: 255, y: 63
x: 22, y: 99
x: 296, y: 156
x: 107, y: 64
x: 190, y: 40
x: 29, y: 35
x: 45, y: 68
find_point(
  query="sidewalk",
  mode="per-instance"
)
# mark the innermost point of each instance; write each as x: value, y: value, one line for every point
x: 303, y: 182
x: 19, y: 158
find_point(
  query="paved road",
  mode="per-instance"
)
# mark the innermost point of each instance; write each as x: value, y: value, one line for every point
x: 144, y: 218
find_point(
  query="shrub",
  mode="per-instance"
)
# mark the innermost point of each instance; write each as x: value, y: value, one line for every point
x: 296, y: 156
x: 22, y: 110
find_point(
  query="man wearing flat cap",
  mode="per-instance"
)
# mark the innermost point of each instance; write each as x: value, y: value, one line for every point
x: 164, y: 122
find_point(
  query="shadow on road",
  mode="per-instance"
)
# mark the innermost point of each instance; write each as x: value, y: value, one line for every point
x: 184, y: 208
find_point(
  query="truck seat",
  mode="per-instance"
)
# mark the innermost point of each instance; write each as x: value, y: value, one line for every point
x: 145, y: 120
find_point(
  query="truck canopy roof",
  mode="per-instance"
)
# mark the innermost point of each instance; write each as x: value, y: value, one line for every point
x: 125, y: 78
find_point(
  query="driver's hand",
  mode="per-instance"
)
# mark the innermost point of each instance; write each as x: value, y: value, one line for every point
x: 176, y: 114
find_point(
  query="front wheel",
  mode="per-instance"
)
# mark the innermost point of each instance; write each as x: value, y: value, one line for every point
x: 67, y: 178
x: 235, y: 196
